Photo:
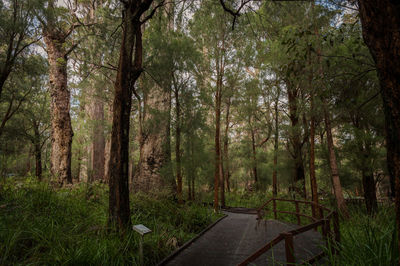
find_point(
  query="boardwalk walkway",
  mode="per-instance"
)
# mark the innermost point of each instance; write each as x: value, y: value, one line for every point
x: 239, y: 235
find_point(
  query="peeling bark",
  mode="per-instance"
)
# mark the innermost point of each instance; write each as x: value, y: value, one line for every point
x: 61, y: 129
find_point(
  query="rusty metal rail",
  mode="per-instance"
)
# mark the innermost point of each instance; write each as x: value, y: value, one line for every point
x: 330, y: 233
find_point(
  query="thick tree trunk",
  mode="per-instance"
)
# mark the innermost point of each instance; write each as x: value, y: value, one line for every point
x: 337, y: 187
x: 155, y: 152
x: 295, y: 137
x: 61, y: 129
x: 369, y: 192
x: 129, y: 70
x: 380, y: 24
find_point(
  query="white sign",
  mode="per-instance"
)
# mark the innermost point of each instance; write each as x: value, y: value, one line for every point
x: 141, y: 229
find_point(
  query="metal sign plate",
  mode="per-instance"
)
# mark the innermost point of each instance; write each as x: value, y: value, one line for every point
x: 141, y: 229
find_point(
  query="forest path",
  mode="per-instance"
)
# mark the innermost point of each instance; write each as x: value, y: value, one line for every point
x: 239, y: 235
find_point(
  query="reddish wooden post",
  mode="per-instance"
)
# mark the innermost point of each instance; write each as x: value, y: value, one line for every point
x: 297, y: 212
x: 289, y: 248
x: 274, y: 206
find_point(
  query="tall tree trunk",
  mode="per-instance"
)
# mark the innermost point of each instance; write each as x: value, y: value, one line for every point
x: 38, y: 151
x: 254, y: 156
x: 217, y: 172
x: 155, y: 172
x: 129, y: 70
x: 313, y: 179
x: 369, y: 191
x: 178, y: 147
x: 276, y: 143
x: 98, y: 144
x: 227, y: 173
x: 295, y: 136
x: 380, y: 24
x: 61, y: 129
x: 337, y: 187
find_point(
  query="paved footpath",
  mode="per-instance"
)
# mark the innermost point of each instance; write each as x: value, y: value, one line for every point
x: 239, y: 235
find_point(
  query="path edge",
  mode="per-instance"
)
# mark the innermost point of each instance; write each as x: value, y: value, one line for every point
x: 185, y: 245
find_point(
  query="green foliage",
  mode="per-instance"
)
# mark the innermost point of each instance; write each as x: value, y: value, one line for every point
x: 368, y: 240
x: 40, y: 225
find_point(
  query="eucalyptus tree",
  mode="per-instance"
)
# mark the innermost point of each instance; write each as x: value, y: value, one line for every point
x: 380, y: 25
x: 58, y: 27
x: 129, y: 70
x: 355, y: 91
x: 211, y: 28
x: 154, y: 171
x: 17, y: 35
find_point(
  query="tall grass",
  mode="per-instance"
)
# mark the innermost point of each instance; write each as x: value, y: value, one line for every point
x: 40, y: 225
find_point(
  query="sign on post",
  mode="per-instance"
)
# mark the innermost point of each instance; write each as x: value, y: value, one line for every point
x: 141, y: 229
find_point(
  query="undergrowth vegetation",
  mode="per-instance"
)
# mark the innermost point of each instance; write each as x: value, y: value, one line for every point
x: 40, y: 225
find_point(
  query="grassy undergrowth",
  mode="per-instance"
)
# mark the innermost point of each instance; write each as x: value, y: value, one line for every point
x: 39, y: 225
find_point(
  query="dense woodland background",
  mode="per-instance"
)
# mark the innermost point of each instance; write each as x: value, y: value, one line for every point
x: 227, y: 102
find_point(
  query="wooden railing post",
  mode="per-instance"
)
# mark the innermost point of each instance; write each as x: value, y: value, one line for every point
x: 324, y: 228
x: 289, y: 248
x: 274, y: 206
x: 297, y: 212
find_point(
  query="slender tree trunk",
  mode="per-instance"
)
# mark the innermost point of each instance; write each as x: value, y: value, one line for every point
x: 226, y: 146
x: 276, y: 143
x: 217, y: 141
x: 178, y: 147
x: 337, y: 187
x: 38, y: 152
x: 380, y: 24
x: 254, y: 156
x: 61, y: 129
x: 313, y: 179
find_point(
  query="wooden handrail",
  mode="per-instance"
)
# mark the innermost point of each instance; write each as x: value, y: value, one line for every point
x: 324, y: 222
x: 262, y: 250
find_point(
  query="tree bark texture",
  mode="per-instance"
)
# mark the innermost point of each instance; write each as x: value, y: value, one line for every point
x: 295, y: 136
x: 178, y: 148
x: 61, y: 129
x: 227, y: 173
x: 217, y: 145
x: 38, y: 151
x: 98, y: 143
x: 254, y: 155
x: 380, y: 21
x: 155, y: 154
x: 129, y: 70
x: 276, y: 143
x: 337, y: 187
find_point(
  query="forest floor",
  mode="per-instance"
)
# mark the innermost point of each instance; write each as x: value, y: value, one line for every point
x: 40, y: 225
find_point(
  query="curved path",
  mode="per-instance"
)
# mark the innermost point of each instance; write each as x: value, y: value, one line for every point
x: 239, y: 235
